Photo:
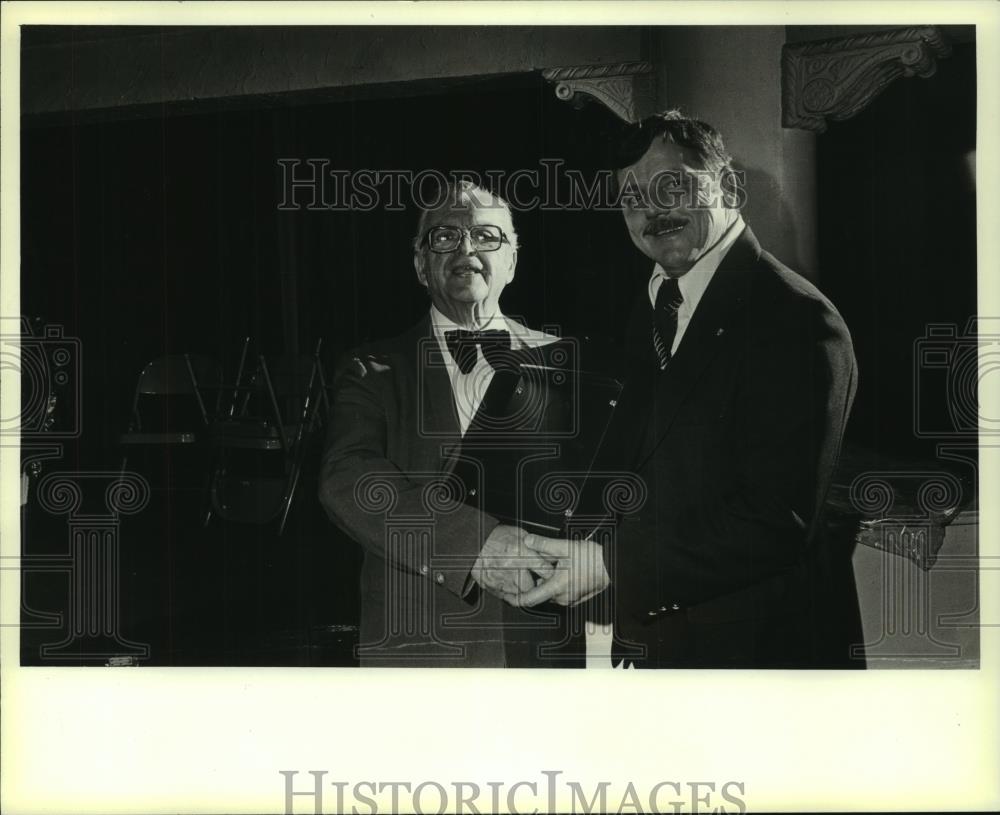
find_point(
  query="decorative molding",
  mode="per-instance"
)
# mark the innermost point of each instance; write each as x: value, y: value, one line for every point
x: 835, y: 79
x: 625, y: 88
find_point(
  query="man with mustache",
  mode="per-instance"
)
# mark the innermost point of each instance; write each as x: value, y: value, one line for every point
x: 435, y: 568
x: 741, y: 381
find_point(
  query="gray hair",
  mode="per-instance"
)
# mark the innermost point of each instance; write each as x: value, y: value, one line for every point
x: 451, y: 194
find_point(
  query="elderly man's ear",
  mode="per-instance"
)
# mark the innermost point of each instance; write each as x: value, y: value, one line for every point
x: 513, y: 265
x: 419, y: 263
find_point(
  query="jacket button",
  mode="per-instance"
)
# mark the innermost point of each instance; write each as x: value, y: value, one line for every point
x: 652, y: 613
x: 439, y: 578
x: 424, y: 569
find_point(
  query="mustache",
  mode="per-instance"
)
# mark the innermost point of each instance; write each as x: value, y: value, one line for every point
x: 661, y: 222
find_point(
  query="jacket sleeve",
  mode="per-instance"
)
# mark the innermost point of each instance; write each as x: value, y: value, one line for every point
x: 416, y: 521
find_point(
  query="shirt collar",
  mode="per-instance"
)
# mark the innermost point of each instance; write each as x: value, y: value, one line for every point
x: 694, y: 282
x: 441, y: 323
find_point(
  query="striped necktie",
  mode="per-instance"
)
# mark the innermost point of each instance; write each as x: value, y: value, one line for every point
x: 668, y: 300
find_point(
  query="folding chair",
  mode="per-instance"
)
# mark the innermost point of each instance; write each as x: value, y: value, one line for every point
x: 167, y: 407
x: 260, y: 440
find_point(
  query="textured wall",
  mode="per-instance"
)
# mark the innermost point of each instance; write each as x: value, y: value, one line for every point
x: 730, y: 76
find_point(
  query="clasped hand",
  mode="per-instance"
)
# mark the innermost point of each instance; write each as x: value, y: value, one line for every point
x: 525, y: 569
x: 506, y: 566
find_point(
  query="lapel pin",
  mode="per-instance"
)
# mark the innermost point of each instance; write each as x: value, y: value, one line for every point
x: 720, y: 332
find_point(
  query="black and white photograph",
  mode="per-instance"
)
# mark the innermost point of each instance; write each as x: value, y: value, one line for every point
x: 643, y: 350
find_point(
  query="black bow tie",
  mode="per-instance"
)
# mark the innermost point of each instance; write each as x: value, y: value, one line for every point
x: 495, y: 344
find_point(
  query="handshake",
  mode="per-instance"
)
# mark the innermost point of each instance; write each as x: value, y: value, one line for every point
x: 525, y: 569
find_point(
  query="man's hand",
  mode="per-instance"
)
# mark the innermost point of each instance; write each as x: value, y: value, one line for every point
x: 579, y: 572
x: 505, y: 566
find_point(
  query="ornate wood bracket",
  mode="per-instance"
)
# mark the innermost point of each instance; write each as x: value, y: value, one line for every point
x: 625, y: 88
x: 835, y: 79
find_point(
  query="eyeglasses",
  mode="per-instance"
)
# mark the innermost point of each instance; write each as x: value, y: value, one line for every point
x: 483, y: 237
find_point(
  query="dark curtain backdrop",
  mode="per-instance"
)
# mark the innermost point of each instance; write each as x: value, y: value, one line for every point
x: 897, y: 245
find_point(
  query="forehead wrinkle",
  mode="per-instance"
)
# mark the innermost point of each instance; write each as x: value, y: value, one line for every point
x: 645, y: 179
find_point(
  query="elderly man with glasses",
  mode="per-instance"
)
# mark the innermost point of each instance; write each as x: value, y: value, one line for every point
x: 436, y: 569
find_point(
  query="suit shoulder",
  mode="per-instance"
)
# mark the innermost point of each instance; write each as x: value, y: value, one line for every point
x: 381, y: 356
x: 785, y: 280
x: 790, y: 286
x: 361, y: 362
x: 795, y: 304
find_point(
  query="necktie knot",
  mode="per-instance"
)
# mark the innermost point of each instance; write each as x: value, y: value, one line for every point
x: 495, y: 345
x: 668, y: 301
x: 669, y: 296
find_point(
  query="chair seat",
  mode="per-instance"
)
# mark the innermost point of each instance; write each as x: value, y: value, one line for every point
x: 158, y: 438
x: 253, y: 435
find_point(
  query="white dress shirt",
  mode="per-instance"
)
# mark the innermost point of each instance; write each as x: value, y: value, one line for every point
x: 696, y: 280
x: 469, y: 389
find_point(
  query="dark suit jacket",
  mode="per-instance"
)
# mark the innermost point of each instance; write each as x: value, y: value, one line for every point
x: 386, y: 480
x: 725, y: 565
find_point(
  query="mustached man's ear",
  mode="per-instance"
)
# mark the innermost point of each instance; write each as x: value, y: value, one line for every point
x: 734, y: 189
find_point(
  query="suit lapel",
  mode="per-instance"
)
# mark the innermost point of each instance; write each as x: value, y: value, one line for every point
x: 438, y: 417
x: 722, y: 301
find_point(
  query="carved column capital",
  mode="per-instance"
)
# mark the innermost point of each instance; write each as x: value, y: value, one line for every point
x: 625, y: 88
x: 835, y: 79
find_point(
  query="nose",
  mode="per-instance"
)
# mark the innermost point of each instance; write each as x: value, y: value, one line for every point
x: 465, y: 245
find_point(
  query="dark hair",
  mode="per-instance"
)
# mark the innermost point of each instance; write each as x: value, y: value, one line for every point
x: 701, y: 139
